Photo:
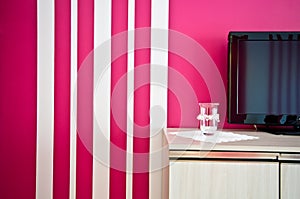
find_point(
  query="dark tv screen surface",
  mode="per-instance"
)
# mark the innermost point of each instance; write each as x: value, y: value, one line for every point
x: 264, y: 78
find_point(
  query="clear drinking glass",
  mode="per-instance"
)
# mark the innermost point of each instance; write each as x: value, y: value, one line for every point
x: 208, y: 117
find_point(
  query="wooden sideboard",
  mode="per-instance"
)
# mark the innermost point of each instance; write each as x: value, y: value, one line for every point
x: 268, y: 167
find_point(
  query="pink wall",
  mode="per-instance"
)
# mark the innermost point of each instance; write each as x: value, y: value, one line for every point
x: 17, y: 98
x: 207, y: 22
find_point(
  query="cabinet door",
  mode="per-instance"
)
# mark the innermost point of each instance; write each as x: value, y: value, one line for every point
x: 223, y: 179
x: 290, y: 181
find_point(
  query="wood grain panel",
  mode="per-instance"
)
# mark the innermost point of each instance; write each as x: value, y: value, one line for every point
x: 290, y: 180
x: 224, y: 179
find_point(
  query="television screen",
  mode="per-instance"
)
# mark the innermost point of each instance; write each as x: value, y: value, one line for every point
x: 264, y: 78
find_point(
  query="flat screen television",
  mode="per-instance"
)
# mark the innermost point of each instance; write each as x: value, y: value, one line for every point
x: 264, y: 80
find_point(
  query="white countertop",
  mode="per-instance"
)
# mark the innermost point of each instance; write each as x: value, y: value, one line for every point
x: 265, y: 143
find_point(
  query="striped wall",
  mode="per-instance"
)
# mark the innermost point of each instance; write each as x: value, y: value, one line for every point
x: 87, y: 144
x: 81, y: 159
x: 86, y: 156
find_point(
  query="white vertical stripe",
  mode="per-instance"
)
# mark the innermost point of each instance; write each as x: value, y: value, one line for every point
x: 45, y: 99
x: 158, y: 94
x: 130, y: 98
x: 102, y: 90
x: 73, y: 103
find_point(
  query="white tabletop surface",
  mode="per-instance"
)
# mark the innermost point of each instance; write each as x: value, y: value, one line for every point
x: 266, y: 142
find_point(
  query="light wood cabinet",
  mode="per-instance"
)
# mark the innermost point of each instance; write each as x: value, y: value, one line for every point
x: 268, y: 167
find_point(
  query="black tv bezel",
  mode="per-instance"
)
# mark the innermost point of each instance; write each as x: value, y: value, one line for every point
x: 233, y: 117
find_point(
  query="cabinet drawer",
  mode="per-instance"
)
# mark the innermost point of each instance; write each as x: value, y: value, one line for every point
x: 224, y: 179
